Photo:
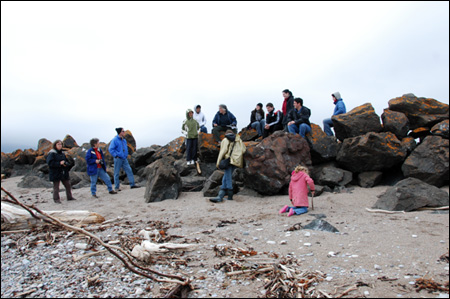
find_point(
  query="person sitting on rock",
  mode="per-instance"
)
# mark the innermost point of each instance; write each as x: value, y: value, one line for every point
x: 274, y: 120
x: 339, y: 109
x: 96, y: 167
x: 288, y: 105
x: 298, y: 192
x: 231, y: 148
x: 190, y: 129
x: 257, y: 121
x: 200, y: 118
x: 223, y: 121
x: 298, y: 119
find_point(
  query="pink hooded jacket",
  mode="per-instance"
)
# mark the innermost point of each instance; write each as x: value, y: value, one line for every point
x: 298, y: 189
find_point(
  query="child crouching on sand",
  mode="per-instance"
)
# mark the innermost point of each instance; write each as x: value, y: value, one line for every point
x: 298, y: 192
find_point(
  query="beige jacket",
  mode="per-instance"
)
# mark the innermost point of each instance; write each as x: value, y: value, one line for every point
x: 237, y: 157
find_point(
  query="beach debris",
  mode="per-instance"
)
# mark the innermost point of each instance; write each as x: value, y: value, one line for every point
x: 321, y: 225
x: 297, y: 226
x: 233, y: 252
x: 224, y: 223
x: 444, y: 257
x: 384, y: 211
x: 430, y: 285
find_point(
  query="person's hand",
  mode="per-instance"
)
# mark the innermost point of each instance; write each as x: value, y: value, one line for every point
x: 291, y: 123
x: 63, y: 163
x: 97, y: 161
x: 267, y: 127
x: 215, y: 125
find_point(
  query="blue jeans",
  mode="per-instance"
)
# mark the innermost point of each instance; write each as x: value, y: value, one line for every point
x: 101, y: 173
x: 227, y: 181
x: 302, y: 129
x: 259, y: 126
x: 298, y: 210
x: 122, y: 163
x: 203, y: 129
x: 327, y: 125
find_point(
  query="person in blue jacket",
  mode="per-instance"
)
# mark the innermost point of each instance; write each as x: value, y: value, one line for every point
x: 119, y: 150
x: 339, y: 109
x: 96, y: 167
x: 223, y: 121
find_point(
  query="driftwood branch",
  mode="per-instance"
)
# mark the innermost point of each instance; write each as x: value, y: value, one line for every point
x: 384, y: 211
x: 130, y: 264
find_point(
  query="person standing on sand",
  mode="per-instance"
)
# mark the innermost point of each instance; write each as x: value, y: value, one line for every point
x: 231, y: 148
x: 119, y: 150
x: 59, y: 171
x: 96, y: 167
x: 200, y: 118
x: 298, y: 192
x: 223, y: 121
x: 190, y: 129
x: 339, y: 109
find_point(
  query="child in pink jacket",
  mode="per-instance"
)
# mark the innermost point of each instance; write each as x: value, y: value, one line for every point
x: 298, y: 192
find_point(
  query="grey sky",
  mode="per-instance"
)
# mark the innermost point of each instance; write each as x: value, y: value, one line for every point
x: 85, y: 68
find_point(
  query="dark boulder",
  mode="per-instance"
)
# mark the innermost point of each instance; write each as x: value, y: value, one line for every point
x: 143, y: 156
x: 420, y: 133
x: 323, y: 148
x: 270, y: 163
x: 411, y: 194
x: 357, y: 122
x: 44, y: 146
x: 395, y: 122
x: 371, y: 152
x: 321, y: 225
x: 208, y: 148
x: 370, y: 179
x: 131, y: 142
x: 333, y: 177
x: 248, y: 135
x: 192, y: 183
x: 212, y: 185
x: 34, y: 181
x: 429, y: 162
x: 409, y: 144
x: 174, y: 149
x: 80, y: 179
x: 77, y: 157
x: 184, y: 169
x: 163, y: 181
x: 441, y: 129
x: 26, y: 157
x: 421, y: 112
x: 69, y: 142
x: 7, y: 164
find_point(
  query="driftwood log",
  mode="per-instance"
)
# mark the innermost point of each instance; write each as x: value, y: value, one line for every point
x: 14, y: 218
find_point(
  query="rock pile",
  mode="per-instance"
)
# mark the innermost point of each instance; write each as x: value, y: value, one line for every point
x: 367, y: 150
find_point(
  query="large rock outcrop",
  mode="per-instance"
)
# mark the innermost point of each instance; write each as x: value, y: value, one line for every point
x: 371, y: 152
x: 163, y: 181
x: 411, y: 194
x: 323, y: 148
x: 441, y: 129
x: 421, y: 112
x: 269, y: 165
x: 395, y: 122
x: 358, y: 121
x: 429, y: 162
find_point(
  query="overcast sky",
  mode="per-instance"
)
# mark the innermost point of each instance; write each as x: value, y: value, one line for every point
x: 85, y: 68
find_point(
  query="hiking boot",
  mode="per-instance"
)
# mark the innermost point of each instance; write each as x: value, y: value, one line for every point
x: 135, y: 187
x: 112, y: 192
x: 72, y: 198
x: 219, y: 197
x: 284, y: 209
x: 230, y: 195
x: 57, y: 200
x: 118, y: 190
x: 94, y: 195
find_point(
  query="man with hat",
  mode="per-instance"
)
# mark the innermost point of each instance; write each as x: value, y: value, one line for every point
x: 119, y: 150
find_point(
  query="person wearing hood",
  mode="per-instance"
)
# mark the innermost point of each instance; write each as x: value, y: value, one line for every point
x: 223, y: 121
x: 190, y: 129
x: 231, y: 148
x: 298, y: 192
x: 200, y: 118
x: 118, y: 148
x: 59, y: 167
x: 257, y: 120
x: 339, y: 109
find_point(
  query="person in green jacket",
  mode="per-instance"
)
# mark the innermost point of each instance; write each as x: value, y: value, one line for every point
x: 190, y: 129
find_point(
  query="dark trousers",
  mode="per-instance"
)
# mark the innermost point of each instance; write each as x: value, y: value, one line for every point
x: 191, y: 149
x: 272, y: 129
x: 217, y: 130
x: 66, y: 184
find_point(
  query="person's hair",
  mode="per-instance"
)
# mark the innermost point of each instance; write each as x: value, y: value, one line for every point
x: 55, y: 143
x: 261, y: 111
x: 299, y: 100
x: 198, y: 106
x: 269, y: 105
x: 289, y: 92
x: 302, y: 168
x: 93, y: 141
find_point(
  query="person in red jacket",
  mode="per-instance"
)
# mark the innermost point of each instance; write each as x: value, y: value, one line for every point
x: 298, y: 192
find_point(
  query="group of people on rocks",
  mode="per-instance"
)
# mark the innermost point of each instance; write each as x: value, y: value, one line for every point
x: 293, y: 118
x: 59, y: 166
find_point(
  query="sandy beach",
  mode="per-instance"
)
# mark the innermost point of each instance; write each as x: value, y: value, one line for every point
x: 368, y: 247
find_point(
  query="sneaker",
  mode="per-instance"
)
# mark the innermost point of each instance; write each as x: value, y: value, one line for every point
x: 291, y: 213
x: 135, y: 187
x: 284, y: 209
x: 72, y: 198
x: 57, y: 200
x: 94, y: 195
x: 112, y: 192
x: 118, y: 190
